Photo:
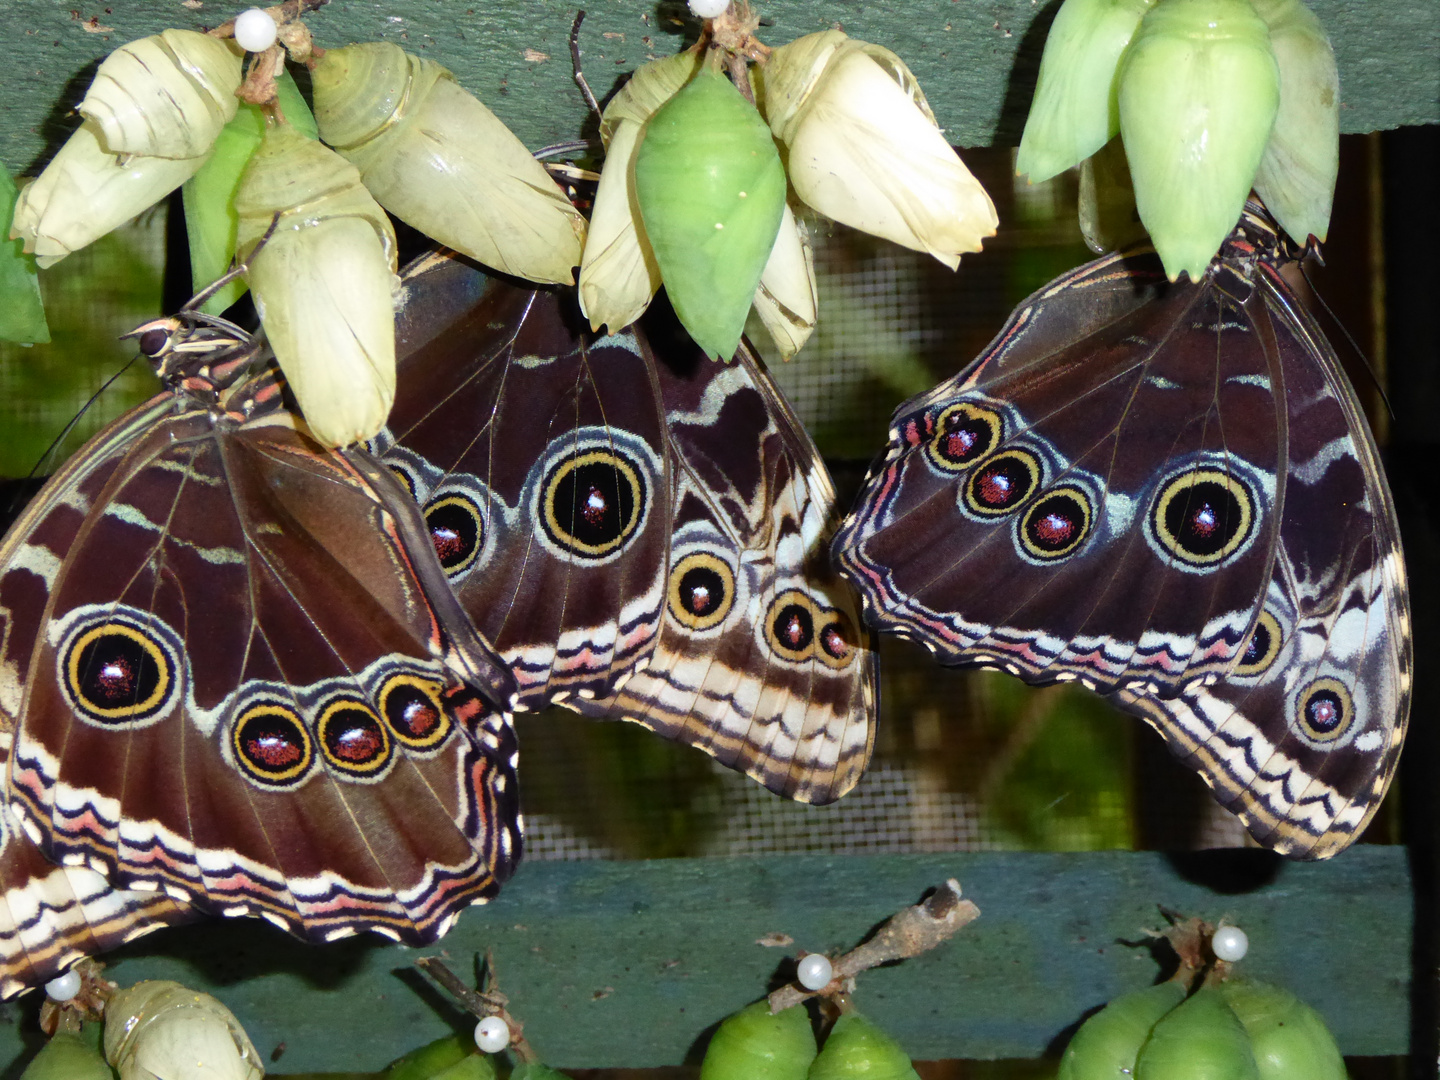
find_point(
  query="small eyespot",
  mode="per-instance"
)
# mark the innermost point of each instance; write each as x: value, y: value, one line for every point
x: 1325, y: 710
x: 837, y: 640
x: 1262, y: 648
x: 963, y: 434
x: 413, y: 711
x: 353, y: 738
x: 1003, y: 482
x: 790, y: 626
x: 272, y: 745
x: 592, y: 502
x: 118, y: 673
x: 402, y: 474
x: 1056, y: 524
x: 702, y: 591
x: 457, y: 529
x: 1203, y: 517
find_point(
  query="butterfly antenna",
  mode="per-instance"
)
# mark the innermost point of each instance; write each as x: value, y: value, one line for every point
x: 1349, y: 337
x: 575, y: 62
x: 74, y: 420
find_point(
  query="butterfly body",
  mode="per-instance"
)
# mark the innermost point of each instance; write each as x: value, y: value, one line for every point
x: 643, y: 532
x: 1144, y: 487
x: 233, y: 677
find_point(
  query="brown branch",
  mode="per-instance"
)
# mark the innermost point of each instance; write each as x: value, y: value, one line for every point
x: 575, y: 64
x: 481, y: 1003
x: 908, y: 933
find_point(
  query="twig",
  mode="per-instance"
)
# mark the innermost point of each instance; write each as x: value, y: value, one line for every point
x: 908, y: 933
x: 481, y: 1003
x: 575, y: 62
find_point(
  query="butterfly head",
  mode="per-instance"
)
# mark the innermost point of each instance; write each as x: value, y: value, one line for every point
x: 195, y: 352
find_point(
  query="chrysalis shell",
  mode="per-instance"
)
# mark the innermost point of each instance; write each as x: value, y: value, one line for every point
x: 1288, y: 1038
x: 864, y: 148
x: 755, y: 1044
x: 437, y: 158
x: 855, y: 1047
x: 1296, y: 178
x: 85, y: 192
x: 1199, y: 1039
x: 324, y: 282
x: 1199, y: 88
x: 1074, y: 112
x: 167, y: 95
x: 711, y: 191
x: 160, y: 1030
x: 1107, y: 1044
x: 1108, y: 218
x: 786, y: 300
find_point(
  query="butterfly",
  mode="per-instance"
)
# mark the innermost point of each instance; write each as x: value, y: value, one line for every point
x: 1169, y: 494
x: 234, y: 680
x: 641, y: 533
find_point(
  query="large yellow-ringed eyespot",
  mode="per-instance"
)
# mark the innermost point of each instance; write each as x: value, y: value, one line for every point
x: 1324, y: 710
x: 352, y: 737
x: 836, y: 640
x: 1002, y: 482
x: 702, y: 590
x: 118, y: 673
x: 1203, y: 517
x: 964, y: 433
x: 271, y: 744
x: 790, y: 626
x: 457, y: 529
x: 1262, y: 648
x: 1055, y: 525
x: 592, y: 502
x: 413, y: 711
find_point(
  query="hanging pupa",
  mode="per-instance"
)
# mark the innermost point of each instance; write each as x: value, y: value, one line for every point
x: 1288, y: 1038
x: 160, y: 1030
x: 756, y: 1044
x: 711, y: 192
x: 437, y: 158
x: 324, y: 282
x: 856, y: 1047
x: 1199, y: 1039
x: 1107, y: 1044
x: 167, y: 95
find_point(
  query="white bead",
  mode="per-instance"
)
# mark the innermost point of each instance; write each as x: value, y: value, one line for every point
x: 63, y: 987
x: 814, y: 972
x: 254, y: 30
x: 492, y: 1035
x: 708, y: 9
x: 1230, y: 943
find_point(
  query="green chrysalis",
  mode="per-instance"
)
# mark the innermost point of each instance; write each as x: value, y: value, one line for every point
x: 22, y: 316
x: 1199, y: 1039
x: 858, y: 1050
x: 1289, y: 1039
x: 755, y: 1045
x: 1107, y: 1044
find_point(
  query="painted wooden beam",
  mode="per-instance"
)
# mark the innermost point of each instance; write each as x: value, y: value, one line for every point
x: 976, y: 59
x: 632, y: 963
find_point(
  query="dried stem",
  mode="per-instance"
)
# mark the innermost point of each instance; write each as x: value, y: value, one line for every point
x: 575, y: 63
x: 732, y: 33
x: 908, y: 933
x: 481, y: 1003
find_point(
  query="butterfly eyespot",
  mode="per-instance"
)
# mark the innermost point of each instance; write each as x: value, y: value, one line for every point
x: 837, y: 640
x: 413, y: 711
x: 1002, y: 483
x: 1203, y: 517
x: 402, y: 474
x: 1056, y: 524
x: 702, y: 591
x: 352, y: 737
x: 790, y: 626
x: 963, y: 434
x: 119, y: 673
x: 593, y: 502
x: 1325, y: 710
x: 1262, y: 648
x: 457, y: 529
x: 272, y: 745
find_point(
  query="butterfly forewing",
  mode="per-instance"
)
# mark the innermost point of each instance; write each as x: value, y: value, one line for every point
x: 1170, y: 494
x: 713, y: 619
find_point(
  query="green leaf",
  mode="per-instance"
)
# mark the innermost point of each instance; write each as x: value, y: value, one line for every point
x: 22, y: 315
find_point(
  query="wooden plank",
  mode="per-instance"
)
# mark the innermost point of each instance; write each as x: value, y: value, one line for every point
x: 976, y: 60
x: 630, y: 964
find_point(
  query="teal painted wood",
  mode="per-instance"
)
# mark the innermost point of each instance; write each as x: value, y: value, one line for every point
x: 630, y: 964
x: 976, y: 60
